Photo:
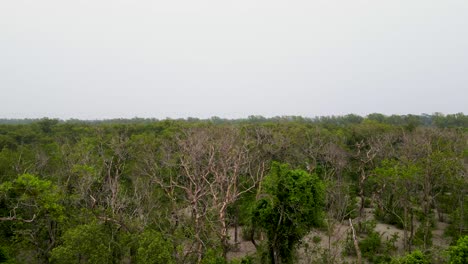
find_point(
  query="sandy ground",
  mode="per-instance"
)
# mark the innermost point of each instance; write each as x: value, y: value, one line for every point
x: 243, y: 247
x: 310, y: 251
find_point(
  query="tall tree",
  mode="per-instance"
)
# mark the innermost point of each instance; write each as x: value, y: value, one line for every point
x: 291, y: 204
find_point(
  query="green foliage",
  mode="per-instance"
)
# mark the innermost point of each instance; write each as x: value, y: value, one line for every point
x: 415, y: 257
x: 366, y: 227
x: 213, y: 256
x: 392, y: 218
x: 370, y: 245
x: 153, y: 248
x: 292, y: 204
x: 397, y: 180
x: 422, y: 238
x: 458, y: 222
x: 32, y: 209
x: 348, y: 247
x: 88, y: 243
x: 32, y: 197
x: 316, y: 239
x: 389, y: 245
x: 244, y: 260
x: 4, y: 255
x: 12, y: 161
x: 459, y: 253
x: 58, y: 177
x: 46, y: 125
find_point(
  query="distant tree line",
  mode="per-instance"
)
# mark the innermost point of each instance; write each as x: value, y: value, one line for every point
x: 432, y: 120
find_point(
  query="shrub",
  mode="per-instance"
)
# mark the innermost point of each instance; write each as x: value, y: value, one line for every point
x: 84, y: 243
x: 415, y: 257
x: 459, y: 253
x: 370, y: 245
x: 213, y: 256
x: 153, y: 248
x: 291, y: 206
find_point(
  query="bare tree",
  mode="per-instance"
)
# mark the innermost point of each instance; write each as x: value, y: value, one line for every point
x: 229, y: 176
x: 368, y: 153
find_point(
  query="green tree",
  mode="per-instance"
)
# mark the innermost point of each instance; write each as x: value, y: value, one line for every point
x: 291, y: 205
x: 30, y: 197
x: 84, y: 244
x: 396, y: 182
x: 153, y: 248
x: 415, y: 257
x: 47, y: 124
x: 31, y: 208
x: 459, y: 253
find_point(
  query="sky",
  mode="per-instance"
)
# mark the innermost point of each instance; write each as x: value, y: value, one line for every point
x: 99, y: 59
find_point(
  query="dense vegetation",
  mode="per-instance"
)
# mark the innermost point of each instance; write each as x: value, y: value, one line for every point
x: 173, y: 191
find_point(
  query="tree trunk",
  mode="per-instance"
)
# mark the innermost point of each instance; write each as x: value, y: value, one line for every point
x: 198, y: 240
x: 405, y: 229
x: 224, y: 232
x: 275, y: 258
x: 236, y: 225
x: 462, y: 213
x: 356, y: 244
x: 410, y: 242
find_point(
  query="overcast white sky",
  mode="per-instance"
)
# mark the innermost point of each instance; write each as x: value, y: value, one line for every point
x: 151, y: 58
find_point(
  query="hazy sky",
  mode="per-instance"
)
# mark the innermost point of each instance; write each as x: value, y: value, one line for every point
x: 174, y: 58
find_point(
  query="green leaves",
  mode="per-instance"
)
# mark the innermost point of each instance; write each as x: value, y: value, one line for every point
x: 292, y: 203
x: 415, y: 257
x: 153, y: 248
x: 84, y: 244
x: 459, y: 253
x: 30, y: 197
x: 32, y: 210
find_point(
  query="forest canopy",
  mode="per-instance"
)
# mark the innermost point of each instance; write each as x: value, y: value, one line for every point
x: 292, y: 189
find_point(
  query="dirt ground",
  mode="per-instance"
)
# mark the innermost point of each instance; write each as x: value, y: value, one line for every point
x: 243, y: 247
x: 310, y: 250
